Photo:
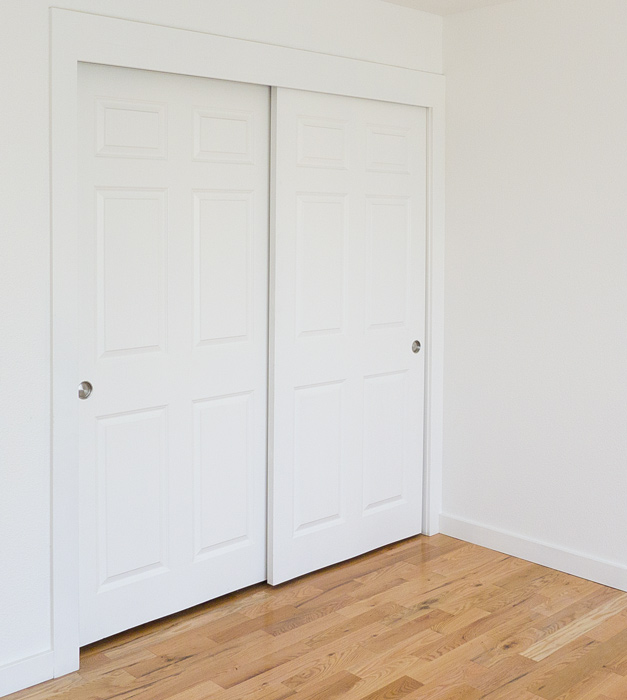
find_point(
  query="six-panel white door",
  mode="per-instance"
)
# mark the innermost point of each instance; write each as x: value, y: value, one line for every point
x: 349, y: 298
x: 173, y: 317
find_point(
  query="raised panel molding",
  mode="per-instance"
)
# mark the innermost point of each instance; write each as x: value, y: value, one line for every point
x: 387, y: 149
x: 223, y: 428
x: 131, y: 232
x: 131, y: 129
x: 318, y: 452
x: 322, y: 143
x: 132, y: 463
x: 223, y: 266
x: 321, y: 240
x: 223, y: 137
x: 388, y: 225
x: 385, y: 407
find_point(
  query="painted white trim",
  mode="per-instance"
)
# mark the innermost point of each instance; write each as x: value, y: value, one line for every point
x: 18, y: 675
x: 576, y: 563
x: 80, y: 37
x: 434, y: 323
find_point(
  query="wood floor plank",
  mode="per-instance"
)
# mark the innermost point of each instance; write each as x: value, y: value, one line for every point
x: 400, y: 688
x: 265, y: 691
x: 465, y: 559
x: 201, y: 691
x: 256, y: 666
x: 401, y: 569
x: 328, y: 664
x: 533, y: 576
x: 609, y: 628
x: 252, y: 624
x: 334, y: 687
x: 505, y: 671
x: 288, y: 594
x: 353, y: 624
x: 430, y: 618
x: 406, y: 594
x: 603, y: 654
x: 614, y: 687
x: 505, y: 647
x: 444, y: 691
x: 404, y: 633
x: 579, y: 626
x: 590, y: 686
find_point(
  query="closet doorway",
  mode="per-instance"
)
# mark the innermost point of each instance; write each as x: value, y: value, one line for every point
x: 174, y: 204
x: 296, y: 538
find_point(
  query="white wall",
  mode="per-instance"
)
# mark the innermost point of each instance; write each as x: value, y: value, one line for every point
x: 365, y: 29
x: 536, y: 281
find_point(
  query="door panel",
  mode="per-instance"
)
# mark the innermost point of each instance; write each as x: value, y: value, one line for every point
x: 132, y: 514
x: 317, y: 456
x: 173, y: 317
x: 223, y: 240
x: 320, y: 261
x: 349, y: 299
x: 223, y: 430
x: 131, y: 226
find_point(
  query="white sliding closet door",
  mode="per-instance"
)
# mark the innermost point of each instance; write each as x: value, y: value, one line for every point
x: 173, y: 317
x: 349, y: 297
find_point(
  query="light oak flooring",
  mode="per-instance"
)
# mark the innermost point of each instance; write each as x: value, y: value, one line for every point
x: 429, y: 618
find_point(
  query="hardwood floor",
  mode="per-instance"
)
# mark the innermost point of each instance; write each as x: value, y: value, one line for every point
x: 429, y: 618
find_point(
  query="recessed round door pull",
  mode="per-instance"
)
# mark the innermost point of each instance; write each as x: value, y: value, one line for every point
x: 84, y: 390
x: 415, y: 347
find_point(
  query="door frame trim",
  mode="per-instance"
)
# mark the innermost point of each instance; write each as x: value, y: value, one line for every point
x: 80, y: 37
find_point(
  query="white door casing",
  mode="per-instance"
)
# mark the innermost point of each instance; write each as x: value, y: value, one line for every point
x: 349, y: 299
x: 173, y: 221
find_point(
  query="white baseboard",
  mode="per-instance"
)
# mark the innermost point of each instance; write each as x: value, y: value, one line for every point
x: 575, y: 563
x: 22, y: 674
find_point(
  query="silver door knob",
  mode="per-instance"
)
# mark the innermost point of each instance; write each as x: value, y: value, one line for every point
x: 84, y: 390
x: 415, y: 347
